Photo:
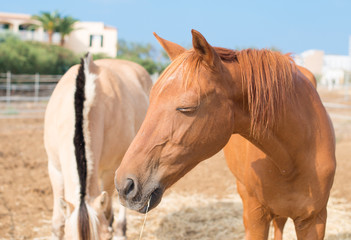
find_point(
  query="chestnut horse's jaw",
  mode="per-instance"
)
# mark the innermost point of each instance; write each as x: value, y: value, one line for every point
x: 141, y: 206
x: 155, y: 198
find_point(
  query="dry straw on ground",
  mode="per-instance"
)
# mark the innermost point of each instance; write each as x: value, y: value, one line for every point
x: 194, y: 217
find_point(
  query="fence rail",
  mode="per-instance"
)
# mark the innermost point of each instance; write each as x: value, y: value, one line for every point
x: 26, y: 87
x: 39, y: 87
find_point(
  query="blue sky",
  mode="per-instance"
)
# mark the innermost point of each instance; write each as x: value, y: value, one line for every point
x: 291, y: 26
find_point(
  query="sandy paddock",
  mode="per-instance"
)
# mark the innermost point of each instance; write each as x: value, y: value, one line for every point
x: 202, y: 205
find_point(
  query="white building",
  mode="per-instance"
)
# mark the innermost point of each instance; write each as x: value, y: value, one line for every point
x: 94, y: 37
x: 20, y: 24
x: 333, y: 70
x: 312, y: 60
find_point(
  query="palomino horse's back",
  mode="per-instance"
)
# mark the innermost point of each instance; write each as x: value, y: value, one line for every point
x: 133, y: 70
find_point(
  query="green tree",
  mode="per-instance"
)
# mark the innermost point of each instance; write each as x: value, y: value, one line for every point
x: 49, y: 21
x: 65, y: 27
x: 33, y: 57
x: 144, y: 54
x: 97, y: 56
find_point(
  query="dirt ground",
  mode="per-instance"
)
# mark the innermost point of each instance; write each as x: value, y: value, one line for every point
x: 204, y: 202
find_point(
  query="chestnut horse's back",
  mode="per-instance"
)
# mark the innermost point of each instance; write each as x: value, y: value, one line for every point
x: 307, y: 73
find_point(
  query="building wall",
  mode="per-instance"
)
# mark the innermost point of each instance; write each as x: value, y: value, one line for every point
x: 15, y: 21
x: 78, y: 41
x: 312, y: 60
x: 93, y: 37
x: 333, y: 70
x: 337, y: 62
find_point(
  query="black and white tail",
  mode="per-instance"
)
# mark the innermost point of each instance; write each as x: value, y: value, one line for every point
x: 83, y: 100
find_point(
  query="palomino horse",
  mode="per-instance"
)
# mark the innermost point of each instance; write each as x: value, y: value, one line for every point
x: 92, y: 117
x: 277, y: 137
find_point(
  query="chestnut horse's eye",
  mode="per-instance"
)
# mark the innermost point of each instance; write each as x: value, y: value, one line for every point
x: 187, y: 109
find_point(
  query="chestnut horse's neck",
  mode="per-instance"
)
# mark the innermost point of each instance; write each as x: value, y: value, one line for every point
x: 288, y: 113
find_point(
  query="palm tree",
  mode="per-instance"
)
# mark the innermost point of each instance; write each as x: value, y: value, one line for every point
x: 49, y: 22
x: 65, y: 27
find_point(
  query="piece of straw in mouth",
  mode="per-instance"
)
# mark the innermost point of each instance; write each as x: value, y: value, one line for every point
x: 147, y: 210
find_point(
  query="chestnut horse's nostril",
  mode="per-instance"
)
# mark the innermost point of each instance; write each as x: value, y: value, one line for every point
x: 129, y: 188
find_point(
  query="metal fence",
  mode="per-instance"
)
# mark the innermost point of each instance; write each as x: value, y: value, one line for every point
x: 36, y: 87
x: 26, y: 87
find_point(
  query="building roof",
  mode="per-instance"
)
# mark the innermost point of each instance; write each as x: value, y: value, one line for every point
x: 15, y: 16
x: 110, y: 27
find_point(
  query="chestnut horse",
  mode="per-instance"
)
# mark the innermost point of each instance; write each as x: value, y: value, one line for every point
x: 277, y: 137
x: 91, y: 118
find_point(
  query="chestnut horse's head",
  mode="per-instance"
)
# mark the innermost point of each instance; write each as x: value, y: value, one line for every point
x: 190, y: 118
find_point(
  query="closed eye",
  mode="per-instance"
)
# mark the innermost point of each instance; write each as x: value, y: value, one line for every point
x: 187, y: 109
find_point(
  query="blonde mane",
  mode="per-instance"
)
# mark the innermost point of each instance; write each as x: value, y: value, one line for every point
x: 268, y: 77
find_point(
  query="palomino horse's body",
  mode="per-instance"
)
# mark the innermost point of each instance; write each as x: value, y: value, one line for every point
x: 279, y: 141
x: 92, y: 117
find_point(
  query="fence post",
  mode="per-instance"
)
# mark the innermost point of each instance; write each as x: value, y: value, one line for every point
x: 36, y: 87
x: 8, y: 88
x: 346, y: 86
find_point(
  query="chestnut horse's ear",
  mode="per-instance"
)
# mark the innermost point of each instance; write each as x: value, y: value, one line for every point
x: 173, y: 50
x: 203, y: 48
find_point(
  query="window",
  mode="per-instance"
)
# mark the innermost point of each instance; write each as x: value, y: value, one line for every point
x: 91, y: 41
x: 96, y: 41
x: 4, y: 26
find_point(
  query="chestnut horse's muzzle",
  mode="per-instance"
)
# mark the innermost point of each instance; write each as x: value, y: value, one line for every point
x: 132, y: 195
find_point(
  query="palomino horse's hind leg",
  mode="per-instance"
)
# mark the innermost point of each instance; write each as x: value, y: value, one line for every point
x: 256, y: 218
x: 121, y: 223
x: 58, y: 221
x: 312, y: 228
x: 279, y: 223
x: 121, y: 228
